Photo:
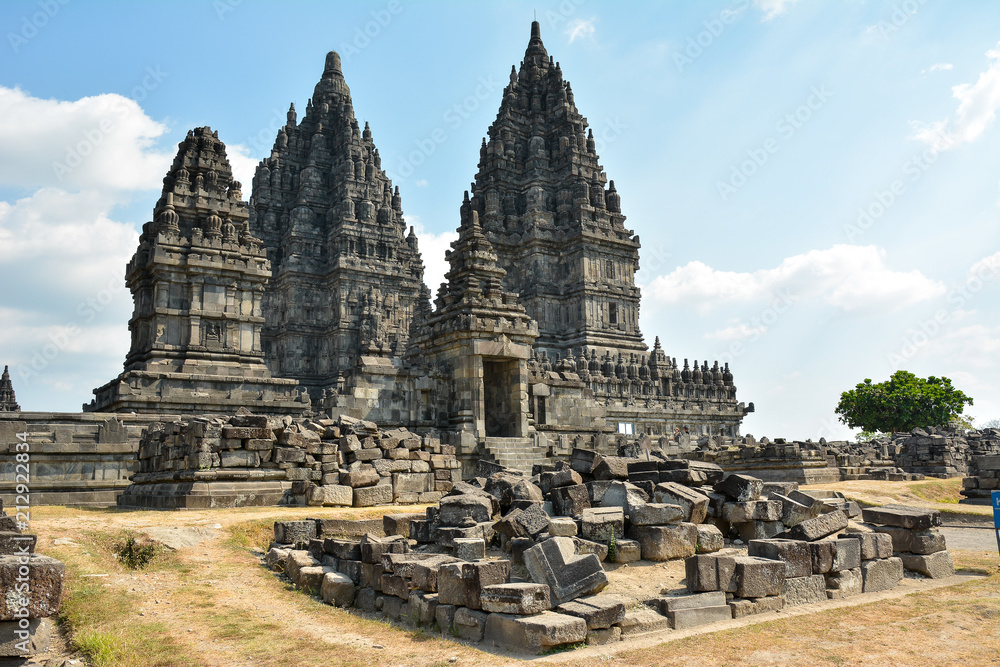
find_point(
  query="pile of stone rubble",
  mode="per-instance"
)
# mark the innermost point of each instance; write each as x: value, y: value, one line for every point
x: 259, y: 460
x: 516, y: 560
x: 30, y: 592
x: 983, y: 479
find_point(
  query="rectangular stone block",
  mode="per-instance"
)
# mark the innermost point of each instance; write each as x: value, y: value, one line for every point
x: 656, y: 514
x: 360, y: 478
x: 937, y: 565
x: 18, y: 642
x: 796, y: 555
x: 469, y: 624
x: 14, y: 543
x: 881, y: 575
x: 371, y: 496
x: 758, y: 577
x: 902, y: 516
x: 819, y: 527
x: 338, y: 589
x: 660, y: 543
x: 444, y: 614
x: 423, y: 608
x: 520, y: 599
x: 694, y: 504
x: 462, y: 583
x: 759, y: 530
x: 697, y: 601
x: 740, y: 488
x: 822, y: 556
x: 554, y: 562
x: 239, y: 459
x: 44, y: 586
x: 642, y: 621
x: 455, y: 510
x: 399, y: 524
x: 602, y: 524
x: 294, y: 532
x: 804, y: 590
x: 534, y: 634
x: 913, y: 541
x: 741, y: 608
x: 598, y: 611
x: 846, y: 555
x: 469, y: 548
x: 701, y: 573
x: 845, y: 583
x: 570, y: 500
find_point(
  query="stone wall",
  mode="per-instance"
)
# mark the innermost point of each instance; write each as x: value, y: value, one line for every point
x: 983, y: 479
x: 75, y: 459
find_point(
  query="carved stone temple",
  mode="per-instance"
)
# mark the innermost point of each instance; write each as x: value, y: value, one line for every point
x: 197, y: 281
x: 8, y: 402
x: 533, y: 344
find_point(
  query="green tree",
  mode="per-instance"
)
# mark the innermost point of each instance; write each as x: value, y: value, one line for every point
x: 901, y: 403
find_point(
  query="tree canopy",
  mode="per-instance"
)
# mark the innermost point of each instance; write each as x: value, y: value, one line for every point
x: 901, y: 403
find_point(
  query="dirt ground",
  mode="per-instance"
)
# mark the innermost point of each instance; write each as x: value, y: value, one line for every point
x: 209, y: 602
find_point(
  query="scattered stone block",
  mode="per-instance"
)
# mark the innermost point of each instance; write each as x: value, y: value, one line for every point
x: 937, y: 565
x: 551, y: 480
x: 444, y: 614
x: 399, y: 524
x: 360, y: 478
x: 625, y: 495
x: 554, y: 562
x: 470, y: 548
x: 334, y: 495
x: 758, y: 577
x: 741, y: 608
x: 741, y: 488
x: 819, y: 527
x: 611, y: 468
x: 461, y: 583
x: 642, y: 621
x: 822, y: 556
x: 469, y: 624
x: 913, y: 541
x: 602, y: 524
x: 44, y: 582
x: 275, y: 559
x: 604, y: 637
x: 881, y: 575
x: 626, y: 551
x: 456, y: 510
x: 690, y: 611
x: 753, y: 510
x: 694, y: 504
x: 370, y: 496
x: 796, y: 555
x: 656, y: 514
x: 521, y: 599
x: 364, y: 599
x: 584, y: 547
x: 562, y: 527
x: 710, y: 539
x: 845, y: 583
x: 804, y: 590
x: 294, y: 532
x: 423, y: 608
x: 534, y: 634
x: 846, y: 555
x: 598, y: 611
x: 759, y: 530
x: 298, y: 559
x: 570, y: 500
x: 660, y: 543
x: 22, y: 642
x: 338, y: 589
x: 902, y: 516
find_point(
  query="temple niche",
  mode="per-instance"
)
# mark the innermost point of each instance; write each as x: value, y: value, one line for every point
x: 197, y: 281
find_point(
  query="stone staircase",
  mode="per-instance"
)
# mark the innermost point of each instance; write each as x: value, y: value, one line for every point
x: 518, y: 453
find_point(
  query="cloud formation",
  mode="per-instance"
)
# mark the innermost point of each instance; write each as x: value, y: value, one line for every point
x: 773, y: 8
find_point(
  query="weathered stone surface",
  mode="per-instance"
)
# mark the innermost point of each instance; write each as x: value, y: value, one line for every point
x: 753, y: 510
x: 469, y: 624
x: 423, y: 608
x: 620, y: 494
x: 796, y: 555
x: 871, y: 545
x: 701, y: 573
x: 626, y: 551
x: 444, y: 614
x: 913, y: 541
x: 522, y: 599
x: 641, y: 621
x: 604, y: 637
x: 338, y: 589
x: 294, y: 532
x: 424, y: 573
x: 570, y: 500
x: 310, y: 578
x: 342, y: 549
x: 881, y: 575
x: 690, y: 611
x: 849, y: 582
x: 399, y: 524
x: 15, y: 543
x: 823, y: 553
x: 584, y: 547
x: 21, y: 642
x: 741, y: 488
x: 371, y: 496
x: 562, y: 527
x: 554, y: 562
x: 598, y: 611
x: 602, y: 524
x: 373, y: 548
x: 657, y: 514
x: 694, y: 504
x: 611, y: 467
x: 44, y: 586
x: 662, y: 543
x: 819, y: 527
x: 534, y: 634
x: 937, y: 565
x: 470, y: 548
x: 552, y: 480
x: 902, y: 516
x: 804, y: 590
x: 741, y: 608
x: 758, y: 577
x: 710, y: 539
x: 793, y: 512
x: 461, y: 583
x: 759, y: 530
x: 846, y: 555
x: 456, y: 510
x: 333, y: 495
x: 296, y: 561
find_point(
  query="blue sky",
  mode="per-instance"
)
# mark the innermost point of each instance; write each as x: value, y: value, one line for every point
x: 816, y: 184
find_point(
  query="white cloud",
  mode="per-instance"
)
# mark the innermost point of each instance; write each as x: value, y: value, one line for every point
x: 243, y: 164
x: 847, y: 277
x: 737, y: 331
x: 772, y: 8
x: 432, y: 249
x: 986, y: 268
x: 105, y: 141
x: 977, y: 107
x: 938, y: 67
x: 422, y: 183
x: 580, y: 29
x: 976, y: 347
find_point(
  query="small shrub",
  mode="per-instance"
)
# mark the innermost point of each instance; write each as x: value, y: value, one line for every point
x: 134, y: 552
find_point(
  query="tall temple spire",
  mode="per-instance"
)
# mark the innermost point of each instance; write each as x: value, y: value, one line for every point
x: 557, y: 229
x: 8, y: 402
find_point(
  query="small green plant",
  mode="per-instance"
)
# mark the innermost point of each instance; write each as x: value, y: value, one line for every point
x: 612, y: 546
x: 134, y: 552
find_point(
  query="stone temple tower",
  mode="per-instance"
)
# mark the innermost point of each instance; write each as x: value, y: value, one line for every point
x: 553, y: 218
x: 347, y: 274
x: 197, y: 281
x: 8, y: 402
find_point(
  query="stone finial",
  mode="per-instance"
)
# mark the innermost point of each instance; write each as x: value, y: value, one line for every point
x: 291, y: 115
x: 332, y: 64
